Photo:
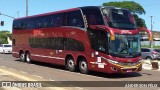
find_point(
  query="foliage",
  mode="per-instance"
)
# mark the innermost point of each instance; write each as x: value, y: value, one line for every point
x: 132, y: 6
x: 3, y: 36
x: 139, y: 21
x: 144, y: 46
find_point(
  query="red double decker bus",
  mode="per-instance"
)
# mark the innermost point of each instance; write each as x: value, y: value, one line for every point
x: 104, y: 39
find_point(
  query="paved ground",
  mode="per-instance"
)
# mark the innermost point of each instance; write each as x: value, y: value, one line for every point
x: 11, y: 69
x: 148, y: 66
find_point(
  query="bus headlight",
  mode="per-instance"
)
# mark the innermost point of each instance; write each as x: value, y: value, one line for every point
x: 112, y: 61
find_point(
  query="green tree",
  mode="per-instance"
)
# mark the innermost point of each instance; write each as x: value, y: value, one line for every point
x: 3, y: 36
x: 132, y: 6
x: 140, y: 22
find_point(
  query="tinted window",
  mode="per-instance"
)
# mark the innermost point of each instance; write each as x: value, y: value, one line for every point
x: 98, y: 40
x: 74, y: 45
x: 94, y: 16
x: 157, y: 50
x: 29, y: 24
x: 119, y: 18
x: 7, y: 45
x: 57, y: 43
x: 57, y: 20
x: 145, y: 50
x: 39, y: 22
x: 75, y: 19
x: 17, y: 25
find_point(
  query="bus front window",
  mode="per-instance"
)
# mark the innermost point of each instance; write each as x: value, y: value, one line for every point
x: 125, y: 46
x: 119, y: 18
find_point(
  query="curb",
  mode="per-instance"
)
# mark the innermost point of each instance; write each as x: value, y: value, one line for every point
x: 148, y: 66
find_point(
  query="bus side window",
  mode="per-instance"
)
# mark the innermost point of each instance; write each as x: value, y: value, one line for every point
x: 92, y: 19
x: 75, y: 19
x: 17, y: 25
x: 93, y: 16
x: 58, y: 20
x: 98, y: 40
x: 29, y: 24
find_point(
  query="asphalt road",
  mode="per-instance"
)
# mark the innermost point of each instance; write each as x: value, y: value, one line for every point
x: 18, y: 71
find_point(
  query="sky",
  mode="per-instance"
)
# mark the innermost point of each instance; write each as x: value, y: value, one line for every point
x: 17, y: 8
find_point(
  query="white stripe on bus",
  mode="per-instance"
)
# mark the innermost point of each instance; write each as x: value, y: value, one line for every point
x: 47, y: 56
x: 43, y: 56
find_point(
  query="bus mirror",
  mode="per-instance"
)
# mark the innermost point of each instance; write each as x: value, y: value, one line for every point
x: 112, y: 35
x: 85, y: 20
x: 105, y: 28
x: 150, y: 35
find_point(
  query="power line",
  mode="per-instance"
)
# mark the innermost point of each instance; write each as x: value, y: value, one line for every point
x: 6, y: 15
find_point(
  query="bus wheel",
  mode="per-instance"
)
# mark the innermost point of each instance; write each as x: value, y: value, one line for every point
x: 28, y: 60
x: 70, y: 64
x: 83, y: 66
x: 22, y: 57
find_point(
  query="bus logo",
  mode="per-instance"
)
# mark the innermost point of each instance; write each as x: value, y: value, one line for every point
x: 126, y: 32
x: 37, y: 32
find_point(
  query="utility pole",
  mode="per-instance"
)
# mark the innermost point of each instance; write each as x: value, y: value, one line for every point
x: 151, y: 23
x: 18, y: 13
x: 26, y: 7
x: 151, y: 45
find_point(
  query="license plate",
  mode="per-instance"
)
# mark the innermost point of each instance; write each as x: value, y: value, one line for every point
x: 129, y: 70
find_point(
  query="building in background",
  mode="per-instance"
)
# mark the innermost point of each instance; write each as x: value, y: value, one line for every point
x: 146, y: 42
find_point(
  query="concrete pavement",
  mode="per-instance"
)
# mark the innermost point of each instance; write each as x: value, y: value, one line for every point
x: 147, y: 65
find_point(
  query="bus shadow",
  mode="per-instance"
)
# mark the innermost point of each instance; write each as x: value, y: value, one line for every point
x: 92, y: 73
x: 45, y: 64
x: 115, y: 75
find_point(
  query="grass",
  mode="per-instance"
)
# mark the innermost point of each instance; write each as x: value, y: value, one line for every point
x: 158, y: 47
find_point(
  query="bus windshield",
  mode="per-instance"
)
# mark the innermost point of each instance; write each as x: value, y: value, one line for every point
x: 119, y: 18
x: 125, y: 46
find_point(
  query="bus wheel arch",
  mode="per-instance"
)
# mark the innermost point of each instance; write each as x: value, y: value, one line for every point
x: 69, y: 63
x: 27, y: 56
x: 82, y: 64
x: 22, y: 56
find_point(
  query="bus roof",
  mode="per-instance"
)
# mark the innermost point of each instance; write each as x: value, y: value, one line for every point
x: 55, y: 12
x: 67, y: 10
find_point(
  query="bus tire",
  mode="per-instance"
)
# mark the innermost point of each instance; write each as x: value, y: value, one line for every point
x: 83, y: 66
x: 22, y: 57
x: 28, y: 59
x: 70, y: 64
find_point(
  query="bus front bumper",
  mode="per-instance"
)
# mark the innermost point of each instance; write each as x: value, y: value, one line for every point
x: 125, y: 67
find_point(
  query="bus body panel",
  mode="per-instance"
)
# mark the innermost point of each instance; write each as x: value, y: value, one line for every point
x: 54, y: 44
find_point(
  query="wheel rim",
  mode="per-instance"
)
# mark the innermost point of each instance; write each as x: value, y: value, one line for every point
x: 22, y: 57
x: 28, y: 58
x: 83, y: 65
x: 70, y: 63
